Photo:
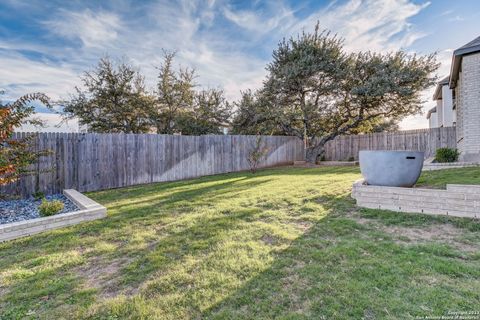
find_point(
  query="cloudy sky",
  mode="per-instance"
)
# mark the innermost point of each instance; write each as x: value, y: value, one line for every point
x: 46, y: 45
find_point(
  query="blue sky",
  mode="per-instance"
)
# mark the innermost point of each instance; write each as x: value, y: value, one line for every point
x: 46, y: 45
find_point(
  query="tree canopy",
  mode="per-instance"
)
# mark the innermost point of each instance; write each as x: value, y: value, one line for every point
x: 114, y: 98
x: 211, y: 111
x: 316, y: 90
x: 175, y: 95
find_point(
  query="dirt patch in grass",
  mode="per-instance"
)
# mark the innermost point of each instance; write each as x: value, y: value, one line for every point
x: 270, y: 240
x: 303, y: 225
x: 104, y: 276
x: 3, y: 291
x: 435, y: 232
x: 445, y: 233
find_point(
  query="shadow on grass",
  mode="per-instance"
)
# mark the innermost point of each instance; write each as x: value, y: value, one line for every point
x: 203, y: 194
x: 199, y: 241
x: 336, y: 269
x: 35, y: 285
x: 340, y: 269
x: 154, y: 188
x: 59, y: 282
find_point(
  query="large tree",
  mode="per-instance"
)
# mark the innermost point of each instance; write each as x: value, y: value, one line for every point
x: 179, y: 108
x: 211, y: 111
x: 253, y: 115
x: 317, y: 91
x: 175, y: 96
x: 114, y: 99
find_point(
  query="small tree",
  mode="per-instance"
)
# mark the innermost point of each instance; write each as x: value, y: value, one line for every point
x: 16, y: 156
x: 114, y: 99
x: 257, y: 154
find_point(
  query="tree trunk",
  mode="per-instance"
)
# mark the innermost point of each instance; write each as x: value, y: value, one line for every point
x: 314, y: 152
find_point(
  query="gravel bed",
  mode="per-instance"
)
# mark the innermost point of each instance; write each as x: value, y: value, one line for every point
x: 26, y: 209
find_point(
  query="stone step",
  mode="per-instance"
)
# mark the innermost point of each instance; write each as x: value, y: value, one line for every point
x: 299, y: 163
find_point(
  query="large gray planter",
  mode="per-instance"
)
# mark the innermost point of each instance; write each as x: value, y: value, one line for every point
x: 391, y: 168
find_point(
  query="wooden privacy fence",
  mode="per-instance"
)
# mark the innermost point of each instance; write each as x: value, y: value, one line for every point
x: 429, y: 140
x: 89, y: 162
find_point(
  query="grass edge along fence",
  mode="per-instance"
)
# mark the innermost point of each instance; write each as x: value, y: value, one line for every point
x: 91, y: 161
x: 345, y: 148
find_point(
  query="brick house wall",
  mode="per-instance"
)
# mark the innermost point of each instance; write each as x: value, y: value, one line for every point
x: 468, y: 108
x: 459, y: 108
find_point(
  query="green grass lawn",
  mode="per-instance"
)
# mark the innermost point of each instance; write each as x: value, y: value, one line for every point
x: 439, y: 179
x: 286, y: 243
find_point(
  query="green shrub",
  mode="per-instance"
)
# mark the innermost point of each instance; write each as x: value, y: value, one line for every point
x: 37, y: 195
x: 446, y: 155
x: 49, y: 208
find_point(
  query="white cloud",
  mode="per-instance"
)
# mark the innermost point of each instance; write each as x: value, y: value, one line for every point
x: 20, y: 75
x: 221, y: 58
x: 446, y: 13
x: 94, y: 29
x: 456, y: 18
x: 365, y: 25
x: 52, y: 123
x: 182, y: 27
x: 370, y: 24
x: 279, y: 17
x: 383, y: 25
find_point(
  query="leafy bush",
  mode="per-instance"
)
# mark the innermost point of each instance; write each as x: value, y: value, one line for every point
x: 446, y: 155
x: 49, y: 208
x: 37, y: 195
x: 17, y: 155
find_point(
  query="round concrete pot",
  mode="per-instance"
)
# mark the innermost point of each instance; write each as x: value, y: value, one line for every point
x: 391, y: 168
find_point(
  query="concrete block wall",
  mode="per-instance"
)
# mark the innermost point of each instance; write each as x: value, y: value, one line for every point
x: 456, y: 200
x: 448, y: 165
x: 468, y: 102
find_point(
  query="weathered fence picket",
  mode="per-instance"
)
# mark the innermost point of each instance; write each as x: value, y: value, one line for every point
x: 90, y: 161
x: 429, y: 140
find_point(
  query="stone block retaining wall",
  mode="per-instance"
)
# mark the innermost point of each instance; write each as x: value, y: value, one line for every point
x: 89, y: 210
x: 449, y: 165
x: 456, y: 200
